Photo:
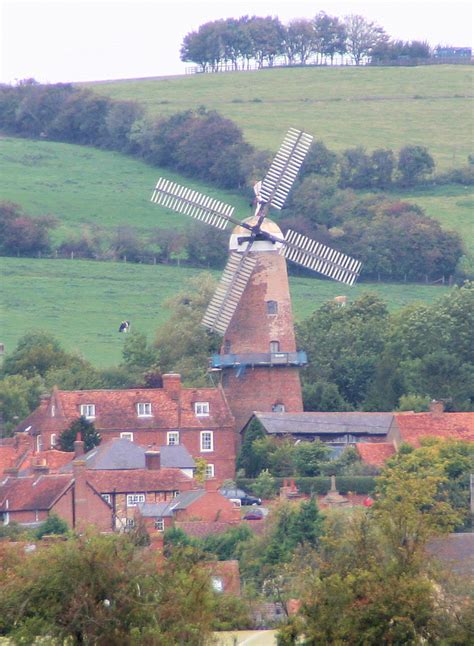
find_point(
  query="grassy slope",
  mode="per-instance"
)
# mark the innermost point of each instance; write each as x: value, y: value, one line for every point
x: 343, y: 106
x: 83, y: 302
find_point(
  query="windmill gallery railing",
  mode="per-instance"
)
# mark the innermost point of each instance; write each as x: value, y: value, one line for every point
x: 256, y: 359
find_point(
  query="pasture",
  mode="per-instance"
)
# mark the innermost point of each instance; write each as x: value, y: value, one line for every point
x: 83, y: 302
x: 372, y: 107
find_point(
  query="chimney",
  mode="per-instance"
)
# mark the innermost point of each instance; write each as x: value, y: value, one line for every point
x: 78, y: 446
x: 11, y: 472
x: 80, y: 507
x: 436, y: 408
x: 172, y: 384
x: 152, y: 459
x: 40, y: 468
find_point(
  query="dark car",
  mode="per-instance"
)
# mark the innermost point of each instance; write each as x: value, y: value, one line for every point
x: 254, y: 514
x: 239, y: 494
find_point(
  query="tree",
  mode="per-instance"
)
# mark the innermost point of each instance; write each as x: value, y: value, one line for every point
x: 105, y: 590
x: 52, y: 525
x: 264, y: 485
x: 36, y: 353
x: 267, y: 35
x: 299, y: 41
x: 183, y: 344
x: 308, y: 457
x: 19, y: 396
x: 330, y: 35
x: 414, y: 164
x: 85, y: 430
x: 362, y: 37
x: 21, y: 234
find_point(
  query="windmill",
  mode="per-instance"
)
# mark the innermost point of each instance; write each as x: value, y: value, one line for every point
x: 251, y: 306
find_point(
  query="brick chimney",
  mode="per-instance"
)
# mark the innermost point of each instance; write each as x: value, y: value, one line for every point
x: 80, y: 507
x: 78, y: 446
x: 40, y: 468
x: 436, y: 408
x: 152, y: 459
x: 172, y: 384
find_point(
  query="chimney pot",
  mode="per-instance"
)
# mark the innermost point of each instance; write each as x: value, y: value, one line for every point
x: 152, y: 460
x: 78, y: 446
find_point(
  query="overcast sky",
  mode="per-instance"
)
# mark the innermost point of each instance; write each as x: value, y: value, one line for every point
x: 68, y: 40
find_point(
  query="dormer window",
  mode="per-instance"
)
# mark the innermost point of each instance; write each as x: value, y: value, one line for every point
x: 144, y: 409
x: 88, y: 411
x: 201, y: 409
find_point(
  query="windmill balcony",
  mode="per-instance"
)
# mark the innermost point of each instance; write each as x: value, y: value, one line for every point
x: 258, y: 359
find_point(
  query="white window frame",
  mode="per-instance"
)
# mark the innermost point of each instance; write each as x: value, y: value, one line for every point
x: 39, y: 443
x: 133, y: 499
x: 159, y: 524
x: 210, y: 471
x: 53, y: 441
x: 278, y: 408
x: 126, y: 435
x: 107, y: 497
x: 274, y: 347
x: 211, y: 443
x: 217, y: 583
x: 172, y: 438
x: 201, y: 409
x: 88, y: 411
x: 144, y: 409
x: 130, y: 523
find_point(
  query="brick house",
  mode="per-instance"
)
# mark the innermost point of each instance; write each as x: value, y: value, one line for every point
x: 197, y: 418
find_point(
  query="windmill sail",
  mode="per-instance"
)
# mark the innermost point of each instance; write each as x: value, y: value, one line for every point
x: 224, y: 302
x: 285, y: 167
x: 318, y: 257
x: 184, y: 200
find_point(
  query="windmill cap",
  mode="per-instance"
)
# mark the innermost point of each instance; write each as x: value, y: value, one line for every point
x: 260, y: 245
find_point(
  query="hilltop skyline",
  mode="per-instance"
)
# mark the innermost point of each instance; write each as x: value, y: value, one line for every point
x: 89, y: 40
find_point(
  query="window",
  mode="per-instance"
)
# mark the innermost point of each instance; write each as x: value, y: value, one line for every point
x: 226, y: 346
x: 172, y: 438
x: 39, y: 443
x: 209, y: 470
x: 133, y: 499
x: 272, y: 307
x: 201, y: 409
x: 88, y: 411
x: 53, y: 410
x: 144, y: 409
x: 274, y: 346
x: 127, y: 436
x: 217, y: 584
x: 130, y: 522
x: 160, y: 524
x: 278, y: 408
x: 207, y: 441
x: 106, y: 497
x: 53, y: 439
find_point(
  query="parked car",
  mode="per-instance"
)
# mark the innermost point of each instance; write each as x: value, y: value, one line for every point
x: 239, y: 494
x: 254, y: 514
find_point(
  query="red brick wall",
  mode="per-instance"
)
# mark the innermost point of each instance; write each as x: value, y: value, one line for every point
x: 251, y: 330
x: 210, y: 507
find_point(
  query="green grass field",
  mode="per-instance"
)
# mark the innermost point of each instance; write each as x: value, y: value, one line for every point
x: 386, y: 107
x: 83, y: 302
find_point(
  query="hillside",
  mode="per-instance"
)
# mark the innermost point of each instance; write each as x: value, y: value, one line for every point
x: 383, y: 107
x: 83, y: 302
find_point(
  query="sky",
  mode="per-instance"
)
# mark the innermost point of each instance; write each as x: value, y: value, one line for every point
x: 90, y: 40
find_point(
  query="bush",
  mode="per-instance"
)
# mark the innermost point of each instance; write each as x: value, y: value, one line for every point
x: 320, y: 484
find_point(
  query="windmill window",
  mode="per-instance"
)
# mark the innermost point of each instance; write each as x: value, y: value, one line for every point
x: 274, y: 346
x: 88, y: 411
x: 272, y: 307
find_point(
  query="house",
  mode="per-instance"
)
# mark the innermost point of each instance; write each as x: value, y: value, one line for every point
x: 196, y: 418
x: 198, y: 505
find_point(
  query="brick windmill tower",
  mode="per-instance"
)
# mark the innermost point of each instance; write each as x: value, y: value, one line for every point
x: 251, y: 307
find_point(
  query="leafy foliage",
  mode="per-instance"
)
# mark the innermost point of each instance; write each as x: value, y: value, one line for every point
x: 85, y: 430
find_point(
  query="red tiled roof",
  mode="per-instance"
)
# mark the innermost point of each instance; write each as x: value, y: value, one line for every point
x: 450, y: 426
x: 33, y: 492
x: 375, y: 453
x: 138, y: 480
x: 8, y: 457
x: 52, y: 458
x: 117, y: 409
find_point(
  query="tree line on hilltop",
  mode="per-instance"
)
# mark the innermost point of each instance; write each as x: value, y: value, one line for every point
x: 262, y: 41
x: 394, y: 239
